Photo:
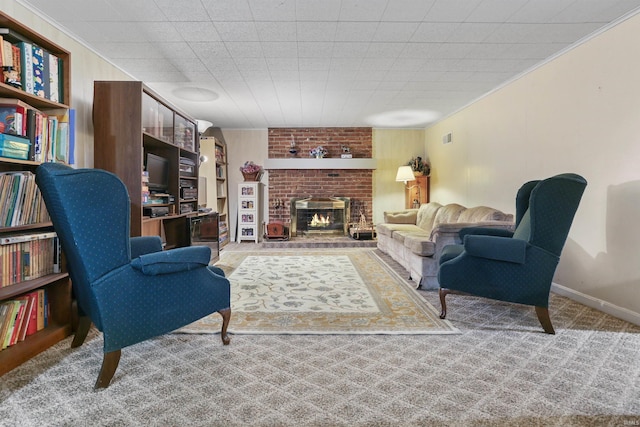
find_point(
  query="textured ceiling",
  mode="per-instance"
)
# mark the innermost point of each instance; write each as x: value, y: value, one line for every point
x: 304, y: 63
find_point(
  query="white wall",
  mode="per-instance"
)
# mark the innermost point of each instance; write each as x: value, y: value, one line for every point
x: 86, y: 67
x: 244, y: 145
x: 392, y: 148
x: 578, y: 113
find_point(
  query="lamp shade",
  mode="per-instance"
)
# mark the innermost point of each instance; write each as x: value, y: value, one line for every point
x: 405, y: 173
x: 203, y: 125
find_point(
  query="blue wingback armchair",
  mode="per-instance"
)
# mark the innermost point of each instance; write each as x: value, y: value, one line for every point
x: 516, y: 266
x: 129, y: 288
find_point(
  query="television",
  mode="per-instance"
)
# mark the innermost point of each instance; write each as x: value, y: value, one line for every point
x: 158, y: 168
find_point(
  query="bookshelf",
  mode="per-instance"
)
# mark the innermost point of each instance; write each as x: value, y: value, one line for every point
x: 57, y: 286
x: 214, y: 136
x: 132, y: 122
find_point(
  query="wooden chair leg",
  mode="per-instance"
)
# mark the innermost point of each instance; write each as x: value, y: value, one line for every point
x: 443, y: 304
x: 545, y: 321
x: 84, y: 324
x: 226, y: 317
x: 109, y: 366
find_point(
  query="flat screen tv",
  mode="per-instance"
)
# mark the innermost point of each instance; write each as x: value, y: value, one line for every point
x: 158, y: 168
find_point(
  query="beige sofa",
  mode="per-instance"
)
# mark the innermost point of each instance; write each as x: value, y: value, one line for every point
x: 415, y: 237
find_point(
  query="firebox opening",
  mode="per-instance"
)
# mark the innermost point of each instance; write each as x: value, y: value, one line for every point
x: 320, y: 216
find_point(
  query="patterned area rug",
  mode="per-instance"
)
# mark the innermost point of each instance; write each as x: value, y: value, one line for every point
x: 348, y: 291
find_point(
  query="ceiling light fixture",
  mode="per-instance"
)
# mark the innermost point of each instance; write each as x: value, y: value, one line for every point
x: 403, y: 118
x: 196, y: 94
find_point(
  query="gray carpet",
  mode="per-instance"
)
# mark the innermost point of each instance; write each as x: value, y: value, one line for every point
x: 501, y: 371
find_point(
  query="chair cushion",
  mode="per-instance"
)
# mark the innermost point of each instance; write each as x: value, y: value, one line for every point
x: 173, y: 261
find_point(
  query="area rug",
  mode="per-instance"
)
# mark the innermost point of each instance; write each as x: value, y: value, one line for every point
x: 342, y: 291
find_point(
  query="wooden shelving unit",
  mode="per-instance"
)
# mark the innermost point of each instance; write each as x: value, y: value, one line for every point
x: 417, y: 192
x: 57, y: 286
x: 214, y: 136
x: 130, y: 121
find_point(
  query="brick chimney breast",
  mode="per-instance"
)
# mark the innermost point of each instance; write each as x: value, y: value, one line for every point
x: 284, y: 184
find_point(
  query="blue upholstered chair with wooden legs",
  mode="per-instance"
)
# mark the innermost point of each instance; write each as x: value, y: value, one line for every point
x: 516, y: 266
x: 129, y: 288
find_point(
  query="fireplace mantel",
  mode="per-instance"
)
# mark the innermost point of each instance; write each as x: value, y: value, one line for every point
x: 312, y: 163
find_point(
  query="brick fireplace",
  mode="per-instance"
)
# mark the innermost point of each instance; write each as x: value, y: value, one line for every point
x: 288, y: 184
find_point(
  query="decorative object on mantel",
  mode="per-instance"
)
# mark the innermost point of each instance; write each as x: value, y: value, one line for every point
x: 419, y: 166
x: 251, y: 171
x: 346, y: 153
x: 319, y: 152
x: 292, y: 148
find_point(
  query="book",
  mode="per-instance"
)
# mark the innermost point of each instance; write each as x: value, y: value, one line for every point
x: 13, y: 313
x: 26, y: 237
x: 39, y: 79
x: 71, y: 147
x: 7, y: 54
x: 31, y: 132
x: 26, y: 66
x: 1, y: 51
x: 13, y: 115
x: 40, y: 320
x: 61, y: 142
x: 26, y: 317
x: 57, y: 256
x: 32, y: 327
x: 26, y: 195
x: 7, y: 312
x: 21, y: 304
x: 54, y: 77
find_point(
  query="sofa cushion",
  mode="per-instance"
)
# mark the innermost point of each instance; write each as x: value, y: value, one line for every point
x: 407, y: 216
x: 401, y: 235
x: 390, y: 229
x: 420, y: 244
x: 483, y: 213
x: 427, y: 215
x: 448, y: 214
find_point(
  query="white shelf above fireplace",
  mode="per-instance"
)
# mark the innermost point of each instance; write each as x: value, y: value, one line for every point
x: 320, y: 163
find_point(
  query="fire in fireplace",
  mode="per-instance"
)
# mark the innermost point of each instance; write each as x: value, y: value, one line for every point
x: 319, y: 215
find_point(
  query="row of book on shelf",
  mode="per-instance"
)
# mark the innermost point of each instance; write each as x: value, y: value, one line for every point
x: 22, y: 317
x: 27, y: 133
x: 20, y: 200
x: 30, y: 67
x: 224, y: 232
x: 27, y: 256
x: 145, y: 187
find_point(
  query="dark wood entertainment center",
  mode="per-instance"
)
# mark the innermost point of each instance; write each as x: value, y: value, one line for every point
x: 131, y: 120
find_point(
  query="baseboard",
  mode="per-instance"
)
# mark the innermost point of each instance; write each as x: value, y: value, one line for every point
x: 598, y: 304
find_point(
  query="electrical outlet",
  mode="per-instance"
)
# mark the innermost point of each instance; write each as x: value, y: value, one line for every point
x: 447, y: 138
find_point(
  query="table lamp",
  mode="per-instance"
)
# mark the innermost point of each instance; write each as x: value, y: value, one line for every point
x: 405, y: 174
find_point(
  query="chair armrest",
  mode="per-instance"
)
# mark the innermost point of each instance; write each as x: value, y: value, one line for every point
x: 173, y: 261
x: 496, y: 248
x: 144, y: 245
x: 486, y: 231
